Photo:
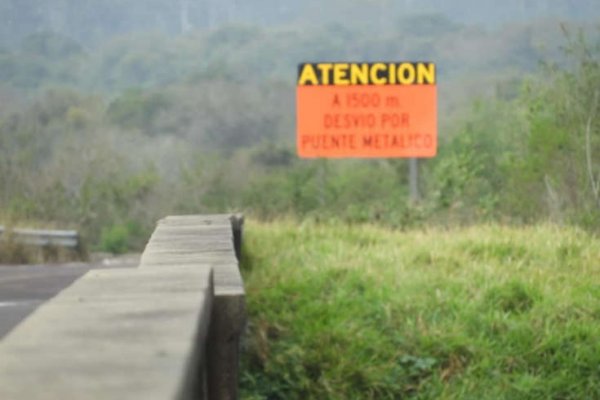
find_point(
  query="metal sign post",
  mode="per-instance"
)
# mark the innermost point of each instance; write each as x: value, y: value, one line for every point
x: 413, y: 179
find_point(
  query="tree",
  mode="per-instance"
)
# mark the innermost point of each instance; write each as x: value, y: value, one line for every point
x: 562, y: 153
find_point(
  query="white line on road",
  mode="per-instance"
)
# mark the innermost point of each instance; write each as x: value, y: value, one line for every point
x: 19, y: 303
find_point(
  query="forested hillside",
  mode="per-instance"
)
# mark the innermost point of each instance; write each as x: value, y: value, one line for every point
x: 115, y: 113
x: 93, y: 21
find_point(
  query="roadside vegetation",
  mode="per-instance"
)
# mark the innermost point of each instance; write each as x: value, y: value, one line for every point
x: 15, y: 250
x: 108, y: 141
x: 343, y: 311
x: 17, y: 253
x: 114, y: 114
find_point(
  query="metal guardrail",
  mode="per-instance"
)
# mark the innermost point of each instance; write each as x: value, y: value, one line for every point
x: 42, y: 237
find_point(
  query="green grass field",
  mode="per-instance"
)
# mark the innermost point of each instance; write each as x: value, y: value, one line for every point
x: 361, y: 312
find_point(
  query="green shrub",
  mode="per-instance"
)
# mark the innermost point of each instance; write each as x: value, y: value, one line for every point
x: 115, y: 239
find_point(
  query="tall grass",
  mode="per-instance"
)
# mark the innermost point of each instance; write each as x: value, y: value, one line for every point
x: 14, y: 251
x: 360, y: 312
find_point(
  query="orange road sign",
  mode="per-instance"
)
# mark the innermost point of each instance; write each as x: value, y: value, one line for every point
x: 369, y: 110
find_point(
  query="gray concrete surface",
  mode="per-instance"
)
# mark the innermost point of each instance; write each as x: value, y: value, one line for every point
x: 113, y: 334
x: 210, y: 240
x: 169, y: 329
x: 23, y: 288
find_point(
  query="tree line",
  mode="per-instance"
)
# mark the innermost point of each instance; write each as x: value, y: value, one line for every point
x: 109, y: 140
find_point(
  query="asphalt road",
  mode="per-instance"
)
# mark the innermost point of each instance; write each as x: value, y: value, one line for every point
x: 23, y: 288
